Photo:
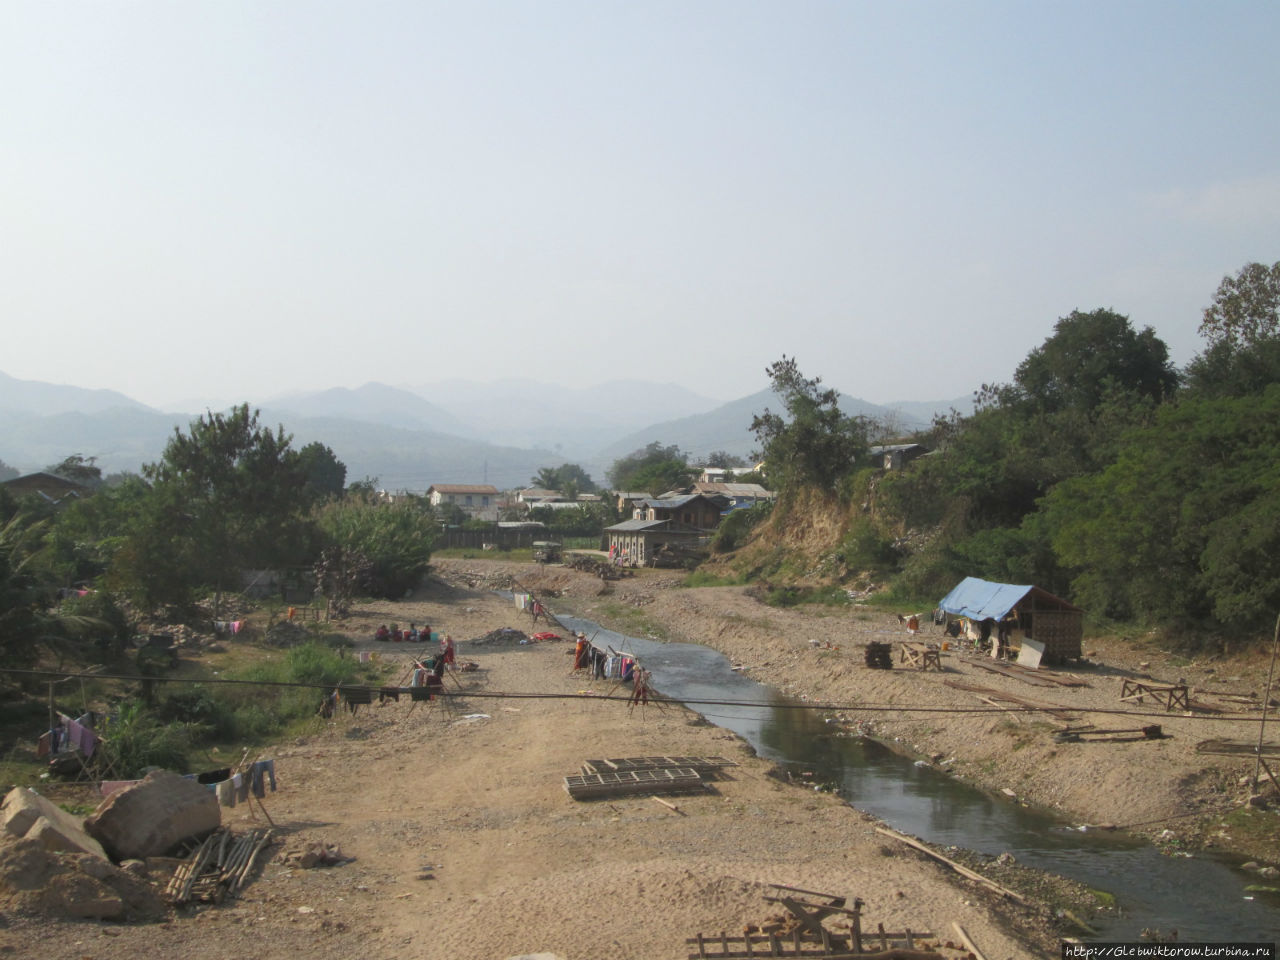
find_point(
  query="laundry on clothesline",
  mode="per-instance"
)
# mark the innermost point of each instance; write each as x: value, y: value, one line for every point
x: 68, y: 735
x: 228, y: 626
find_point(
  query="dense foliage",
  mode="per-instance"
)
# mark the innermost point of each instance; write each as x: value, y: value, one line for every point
x: 1099, y: 472
x: 814, y: 444
x: 654, y: 469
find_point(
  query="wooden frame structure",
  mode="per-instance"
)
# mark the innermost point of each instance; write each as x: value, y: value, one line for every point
x: 809, y: 938
x: 922, y: 656
x: 1173, y: 695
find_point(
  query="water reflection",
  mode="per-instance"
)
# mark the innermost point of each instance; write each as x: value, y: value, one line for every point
x: 1203, y: 898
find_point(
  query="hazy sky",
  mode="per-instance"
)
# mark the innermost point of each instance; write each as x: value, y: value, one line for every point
x: 238, y: 199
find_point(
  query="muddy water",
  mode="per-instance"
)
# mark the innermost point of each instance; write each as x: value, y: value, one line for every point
x: 1202, y: 897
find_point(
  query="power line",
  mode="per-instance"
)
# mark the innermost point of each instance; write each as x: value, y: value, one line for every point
x: 687, y: 701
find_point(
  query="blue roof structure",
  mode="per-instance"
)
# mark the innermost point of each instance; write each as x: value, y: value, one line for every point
x: 984, y: 600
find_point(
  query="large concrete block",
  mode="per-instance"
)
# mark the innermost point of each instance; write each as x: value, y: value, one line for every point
x: 25, y: 811
x: 153, y: 816
x: 54, y: 836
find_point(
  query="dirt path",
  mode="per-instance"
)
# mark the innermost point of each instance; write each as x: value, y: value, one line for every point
x: 467, y: 846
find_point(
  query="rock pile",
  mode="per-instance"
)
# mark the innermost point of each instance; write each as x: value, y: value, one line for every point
x: 508, y: 635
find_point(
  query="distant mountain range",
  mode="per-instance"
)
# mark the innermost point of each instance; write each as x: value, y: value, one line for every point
x: 454, y: 432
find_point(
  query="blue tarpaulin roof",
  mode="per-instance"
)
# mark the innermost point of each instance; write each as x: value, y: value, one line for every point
x: 984, y: 600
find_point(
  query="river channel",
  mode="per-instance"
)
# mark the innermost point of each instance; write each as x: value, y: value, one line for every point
x: 1202, y: 897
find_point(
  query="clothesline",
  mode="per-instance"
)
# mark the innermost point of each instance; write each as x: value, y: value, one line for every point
x: 230, y: 788
x: 68, y: 735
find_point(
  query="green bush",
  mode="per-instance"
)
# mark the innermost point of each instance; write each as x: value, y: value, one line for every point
x: 737, y: 526
x: 794, y: 596
x: 135, y: 739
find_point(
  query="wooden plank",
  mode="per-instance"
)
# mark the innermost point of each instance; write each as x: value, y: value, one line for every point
x: 958, y: 868
x: 1004, y: 670
x: 968, y: 943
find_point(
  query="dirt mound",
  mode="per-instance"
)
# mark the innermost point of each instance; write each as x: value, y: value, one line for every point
x: 504, y: 635
x: 41, y: 882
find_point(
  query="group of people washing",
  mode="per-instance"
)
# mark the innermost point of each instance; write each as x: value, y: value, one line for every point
x: 413, y: 635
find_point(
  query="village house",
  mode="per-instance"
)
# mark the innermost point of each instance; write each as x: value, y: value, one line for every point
x: 738, y: 494
x: 478, y: 500
x: 536, y: 496
x: 629, y: 499
x: 895, y: 456
x: 47, y: 486
x: 672, y: 525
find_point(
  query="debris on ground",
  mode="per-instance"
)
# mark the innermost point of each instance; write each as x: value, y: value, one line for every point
x: 502, y: 635
x: 316, y: 854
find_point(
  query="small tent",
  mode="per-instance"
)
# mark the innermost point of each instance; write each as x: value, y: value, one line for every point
x: 1033, y: 614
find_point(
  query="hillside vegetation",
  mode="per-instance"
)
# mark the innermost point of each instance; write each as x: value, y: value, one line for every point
x: 1146, y: 494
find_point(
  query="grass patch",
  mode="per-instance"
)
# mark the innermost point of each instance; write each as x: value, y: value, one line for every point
x: 829, y: 596
x: 629, y: 620
x: 700, y: 578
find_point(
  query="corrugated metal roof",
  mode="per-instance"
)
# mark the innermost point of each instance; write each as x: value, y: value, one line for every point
x: 734, y: 489
x: 672, y: 503
x: 984, y: 600
x: 463, y: 488
x: 633, y: 526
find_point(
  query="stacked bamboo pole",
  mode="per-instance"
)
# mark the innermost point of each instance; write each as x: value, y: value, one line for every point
x: 216, y: 868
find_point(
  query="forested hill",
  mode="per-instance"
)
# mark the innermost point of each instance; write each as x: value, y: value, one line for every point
x: 1140, y: 492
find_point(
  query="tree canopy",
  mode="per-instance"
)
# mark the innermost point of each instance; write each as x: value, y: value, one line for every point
x: 225, y: 496
x: 1246, y: 308
x: 655, y: 469
x: 815, y: 444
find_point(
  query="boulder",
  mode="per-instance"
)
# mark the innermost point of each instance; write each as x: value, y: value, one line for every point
x: 57, y: 836
x: 27, y: 814
x: 153, y: 816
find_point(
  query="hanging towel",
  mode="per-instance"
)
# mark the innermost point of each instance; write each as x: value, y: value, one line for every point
x: 226, y: 791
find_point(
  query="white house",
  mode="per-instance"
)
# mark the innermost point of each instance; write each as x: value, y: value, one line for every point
x: 477, y: 500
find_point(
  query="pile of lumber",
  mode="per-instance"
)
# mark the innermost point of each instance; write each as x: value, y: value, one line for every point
x: 592, y: 786
x: 596, y: 566
x: 216, y: 868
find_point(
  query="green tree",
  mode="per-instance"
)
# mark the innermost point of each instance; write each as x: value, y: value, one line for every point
x: 325, y: 473
x: 655, y: 468
x: 723, y: 458
x: 814, y: 444
x: 29, y: 618
x: 547, y: 478
x: 391, y: 542
x: 225, y: 496
x: 79, y: 469
x: 1186, y: 523
x: 1089, y: 357
x: 556, y: 478
x: 7, y: 472
x: 575, y: 474
x: 1246, y: 308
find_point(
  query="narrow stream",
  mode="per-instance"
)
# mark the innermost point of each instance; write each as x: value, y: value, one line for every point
x: 1202, y: 897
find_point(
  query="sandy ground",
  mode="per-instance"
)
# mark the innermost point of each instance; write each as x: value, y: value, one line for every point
x: 466, y: 845
x: 1148, y: 785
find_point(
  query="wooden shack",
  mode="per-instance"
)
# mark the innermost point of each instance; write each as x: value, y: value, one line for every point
x: 1027, y: 612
